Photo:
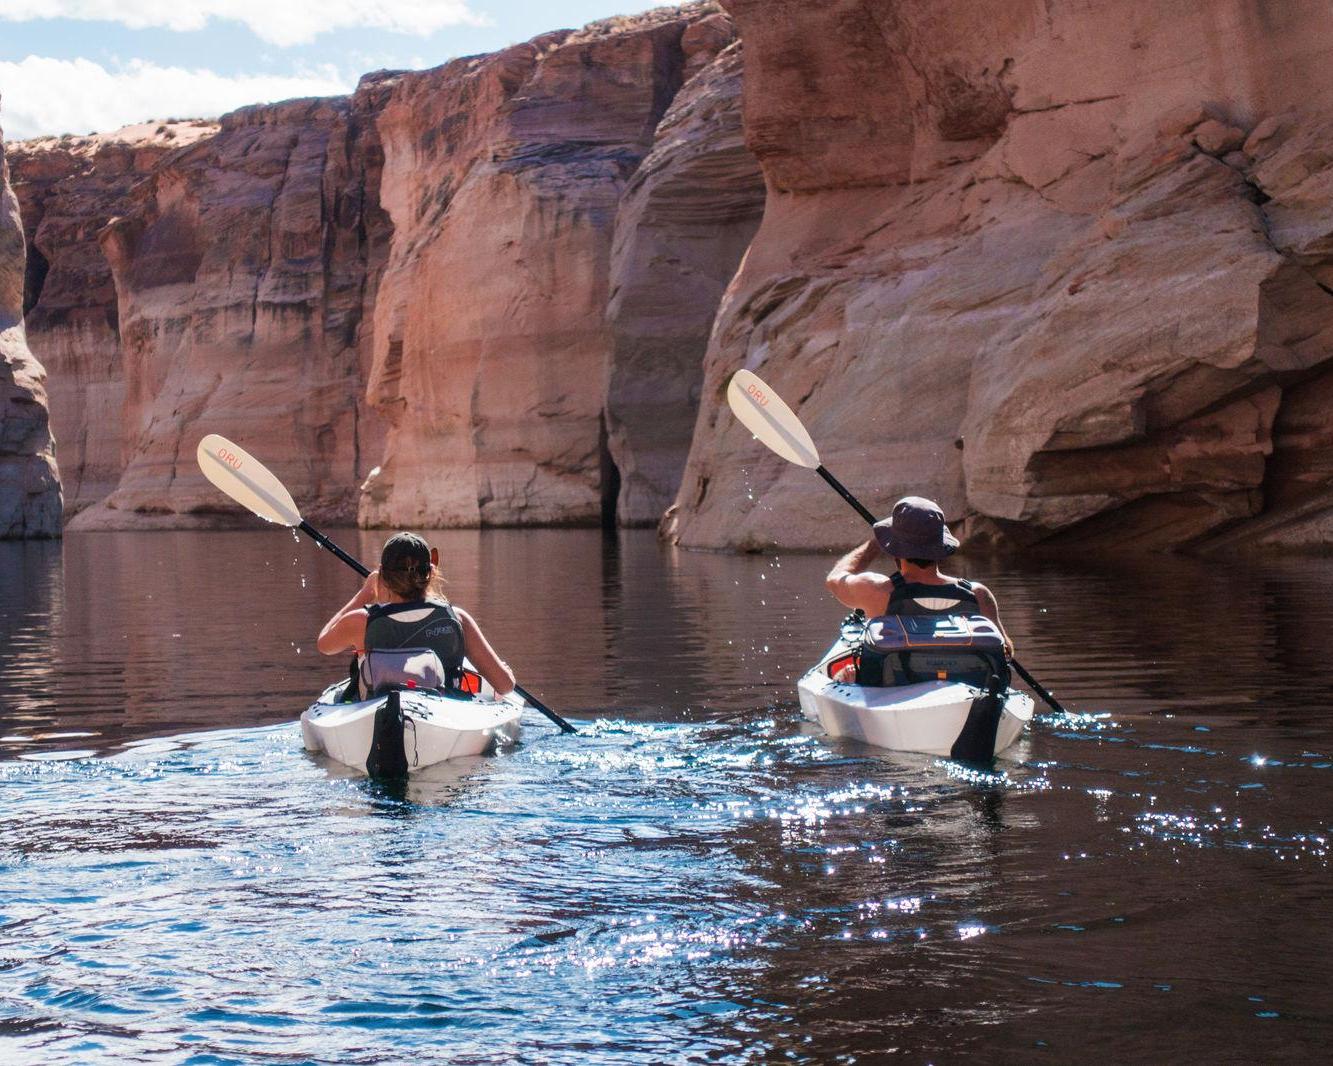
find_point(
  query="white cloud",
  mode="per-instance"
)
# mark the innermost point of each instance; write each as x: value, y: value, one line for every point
x: 280, y: 22
x: 44, y: 96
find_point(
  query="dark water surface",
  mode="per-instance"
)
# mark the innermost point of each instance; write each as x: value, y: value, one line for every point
x: 695, y: 878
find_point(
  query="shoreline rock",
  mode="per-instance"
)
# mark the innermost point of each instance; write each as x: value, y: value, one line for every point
x: 30, y: 497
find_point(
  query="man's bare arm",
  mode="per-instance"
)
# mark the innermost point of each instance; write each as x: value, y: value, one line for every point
x: 991, y: 609
x: 855, y: 585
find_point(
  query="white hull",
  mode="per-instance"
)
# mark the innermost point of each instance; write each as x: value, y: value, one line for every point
x: 924, y: 718
x: 436, y: 728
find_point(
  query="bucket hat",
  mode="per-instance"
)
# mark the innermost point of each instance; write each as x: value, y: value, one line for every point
x: 915, y: 530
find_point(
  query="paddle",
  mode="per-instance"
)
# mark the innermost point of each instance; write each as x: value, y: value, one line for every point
x: 763, y: 412
x: 250, y: 483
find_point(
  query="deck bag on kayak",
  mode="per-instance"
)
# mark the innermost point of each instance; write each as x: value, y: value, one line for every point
x: 393, y: 669
x: 904, y: 649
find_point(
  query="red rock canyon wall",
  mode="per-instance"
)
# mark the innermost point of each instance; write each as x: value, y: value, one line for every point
x: 69, y: 189
x: 451, y: 348
x: 30, y: 500
x: 244, y: 272
x: 1064, y: 267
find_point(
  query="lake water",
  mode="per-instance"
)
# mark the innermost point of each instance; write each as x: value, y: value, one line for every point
x: 697, y: 876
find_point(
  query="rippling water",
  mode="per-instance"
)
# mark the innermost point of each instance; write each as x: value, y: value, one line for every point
x: 698, y: 876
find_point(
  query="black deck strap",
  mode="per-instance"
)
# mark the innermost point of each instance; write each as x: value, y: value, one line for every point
x: 905, y: 661
x: 870, y: 667
x: 388, y: 757
x: 352, y: 692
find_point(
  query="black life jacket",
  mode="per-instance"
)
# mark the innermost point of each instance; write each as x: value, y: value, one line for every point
x: 914, y: 597
x: 419, y: 624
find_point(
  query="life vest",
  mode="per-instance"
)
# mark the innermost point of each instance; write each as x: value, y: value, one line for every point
x: 424, y: 625
x: 914, y: 597
x: 931, y: 633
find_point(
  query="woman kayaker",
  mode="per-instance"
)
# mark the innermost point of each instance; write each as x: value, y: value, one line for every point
x: 400, y: 605
x: 916, y: 537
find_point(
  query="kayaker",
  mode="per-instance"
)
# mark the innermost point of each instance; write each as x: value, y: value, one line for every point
x: 401, y: 605
x: 916, y: 538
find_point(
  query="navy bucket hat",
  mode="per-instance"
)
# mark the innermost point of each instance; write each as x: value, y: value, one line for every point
x: 915, y: 530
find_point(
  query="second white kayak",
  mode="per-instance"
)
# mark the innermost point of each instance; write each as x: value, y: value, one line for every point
x: 925, y: 717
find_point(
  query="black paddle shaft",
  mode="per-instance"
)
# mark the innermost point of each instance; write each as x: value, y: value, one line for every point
x: 841, y: 490
x: 324, y: 542
x: 1036, y: 687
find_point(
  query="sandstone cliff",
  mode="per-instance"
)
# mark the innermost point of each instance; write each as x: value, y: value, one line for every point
x: 502, y: 176
x: 1065, y: 267
x: 69, y: 189
x: 197, y: 277
x: 30, y: 503
x: 244, y: 268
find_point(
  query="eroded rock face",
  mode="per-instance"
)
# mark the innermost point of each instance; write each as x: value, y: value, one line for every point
x: 503, y: 175
x: 687, y: 216
x: 69, y: 189
x: 30, y: 501
x: 193, y: 278
x: 1063, y: 268
x: 245, y: 268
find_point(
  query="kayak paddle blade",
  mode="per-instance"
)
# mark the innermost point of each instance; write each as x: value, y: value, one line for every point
x: 763, y: 412
x: 246, y: 480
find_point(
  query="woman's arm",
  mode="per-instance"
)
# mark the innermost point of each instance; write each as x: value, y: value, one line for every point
x: 346, y: 630
x: 991, y: 609
x: 483, y: 657
x: 850, y: 582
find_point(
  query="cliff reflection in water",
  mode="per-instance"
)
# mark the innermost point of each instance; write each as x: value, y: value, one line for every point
x: 135, y: 635
x: 142, y: 634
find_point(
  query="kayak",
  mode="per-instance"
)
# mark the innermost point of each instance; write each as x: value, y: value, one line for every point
x: 405, y: 731
x: 925, y: 717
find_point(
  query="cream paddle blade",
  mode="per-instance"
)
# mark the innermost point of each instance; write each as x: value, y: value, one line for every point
x: 246, y: 480
x: 763, y: 413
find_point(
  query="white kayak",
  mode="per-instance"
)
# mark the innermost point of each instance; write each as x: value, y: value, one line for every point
x: 415, y: 729
x: 925, y: 717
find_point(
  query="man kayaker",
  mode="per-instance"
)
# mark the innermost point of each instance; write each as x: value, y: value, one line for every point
x: 400, y: 605
x: 916, y: 538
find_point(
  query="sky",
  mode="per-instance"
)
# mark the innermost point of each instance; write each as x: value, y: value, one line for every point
x: 83, y: 66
